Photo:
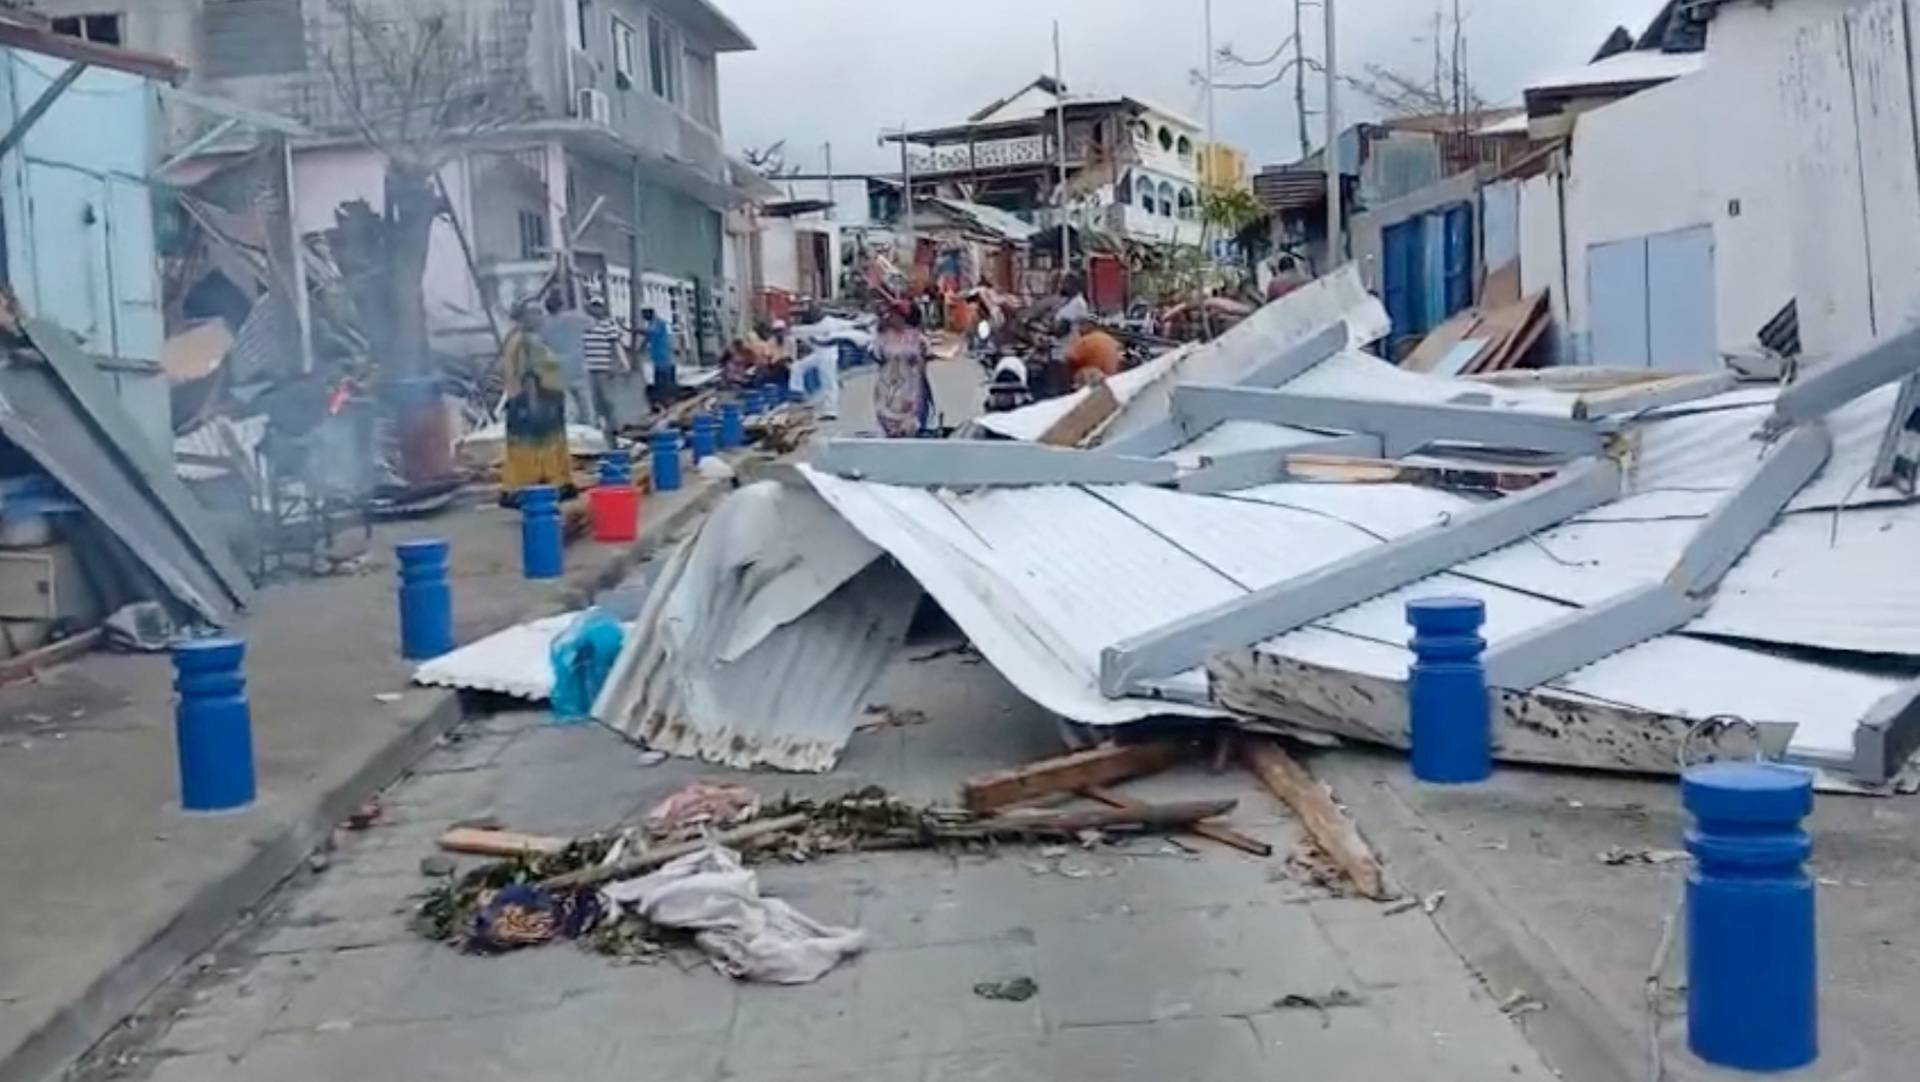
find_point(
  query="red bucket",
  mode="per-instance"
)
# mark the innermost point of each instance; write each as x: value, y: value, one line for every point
x: 616, y: 513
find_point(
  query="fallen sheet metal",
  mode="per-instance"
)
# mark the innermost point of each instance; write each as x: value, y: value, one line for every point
x: 762, y: 637
x: 515, y: 661
x: 58, y: 409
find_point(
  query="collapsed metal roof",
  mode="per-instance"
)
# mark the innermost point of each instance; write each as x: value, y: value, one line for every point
x: 1661, y: 565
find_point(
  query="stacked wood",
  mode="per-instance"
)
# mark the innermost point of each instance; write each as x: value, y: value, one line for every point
x: 1483, y: 339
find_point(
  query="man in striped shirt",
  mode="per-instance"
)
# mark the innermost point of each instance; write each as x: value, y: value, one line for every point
x: 605, y: 346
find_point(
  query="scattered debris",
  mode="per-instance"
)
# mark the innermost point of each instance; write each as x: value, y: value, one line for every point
x: 1211, y: 831
x: 1066, y: 773
x: 1017, y: 990
x: 1310, y: 864
x: 1337, y: 998
x: 364, y: 816
x: 1518, y: 1003
x: 483, y: 842
x: 1616, y: 855
x: 388, y: 698
x: 1431, y: 903
x: 1313, y: 803
x: 964, y: 649
x: 438, y: 865
x: 652, y: 757
x: 884, y: 716
x: 702, y: 804
x: 1399, y: 906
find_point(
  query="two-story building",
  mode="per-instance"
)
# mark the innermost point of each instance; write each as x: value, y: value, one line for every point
x: 617, y: 163
x: 1133, y: 170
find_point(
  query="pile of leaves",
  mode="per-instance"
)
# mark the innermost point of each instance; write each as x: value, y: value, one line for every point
x: 447, y: 913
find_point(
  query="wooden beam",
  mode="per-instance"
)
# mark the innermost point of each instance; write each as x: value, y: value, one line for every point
x: 1312, y: 801
x: 1085, y: 418
x: 1216, y: 832
x: 1639, y: 397
x: 501, y: 843
x: 1066, y: 773
x: 1066, y: 824
x: 40, y: 106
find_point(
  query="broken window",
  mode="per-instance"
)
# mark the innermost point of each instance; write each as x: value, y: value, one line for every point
x: 663, y: 59
x: 104, y: 29
x: 625, y: 48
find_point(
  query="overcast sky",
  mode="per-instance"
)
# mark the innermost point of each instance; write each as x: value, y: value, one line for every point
x: 842, y: 70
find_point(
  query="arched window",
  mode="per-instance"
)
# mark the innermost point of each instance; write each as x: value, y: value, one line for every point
x: 1166, y: 199
x: 1186, y: 147
x: 1123, y: 190
x: 1186, y: 203
x: 1166, y: 138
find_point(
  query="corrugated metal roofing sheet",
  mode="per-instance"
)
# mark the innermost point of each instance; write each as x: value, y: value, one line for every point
x: 515, y: 661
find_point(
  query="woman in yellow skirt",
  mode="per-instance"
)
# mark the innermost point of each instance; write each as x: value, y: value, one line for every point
x: 536, y: 411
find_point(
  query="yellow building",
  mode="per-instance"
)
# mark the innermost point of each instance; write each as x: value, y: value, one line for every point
x: 1222, y: 166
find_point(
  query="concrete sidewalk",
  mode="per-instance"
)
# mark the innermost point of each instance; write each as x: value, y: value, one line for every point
x: 109, y: 887
x: 1538, y: 897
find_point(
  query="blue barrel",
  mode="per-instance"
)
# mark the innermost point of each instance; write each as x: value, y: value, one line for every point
x: 733, y: 426
x: 665, y: 445
x: 1752, y: 982
x: 616, y: 468
x: 541, y: 544
x: 1451, y: 725
x: 426, y: 599
x: 706, y: 437
x: 212, y: 725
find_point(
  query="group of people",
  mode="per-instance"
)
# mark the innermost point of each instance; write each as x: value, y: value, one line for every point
x: 561, y: 362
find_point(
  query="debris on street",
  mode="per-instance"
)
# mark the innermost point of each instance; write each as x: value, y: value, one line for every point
x: 1016, y: 990
x: 1325, y: 1003
x: 1615, y: 856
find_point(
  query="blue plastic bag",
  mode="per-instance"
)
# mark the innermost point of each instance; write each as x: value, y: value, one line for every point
x: 583, y: 656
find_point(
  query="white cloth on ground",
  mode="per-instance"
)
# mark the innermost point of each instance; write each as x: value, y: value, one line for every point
x: 824, y: 359
x: 746, y: 935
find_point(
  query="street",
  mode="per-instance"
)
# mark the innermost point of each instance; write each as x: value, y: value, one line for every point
x: 1153, y: 962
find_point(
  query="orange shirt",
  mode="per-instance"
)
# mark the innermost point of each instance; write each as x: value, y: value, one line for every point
x: 1095, y: 349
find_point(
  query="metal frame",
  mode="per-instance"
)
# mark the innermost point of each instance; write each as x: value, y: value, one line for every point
x: 192, y: 149
x: 40, y: 105
x: 1250, y: 469
x: 1403, y: 426
x: 1584, y: 636
x: 1295, y: 362
x: 976, y: 463
x: 1826, y: 387
x: 1896, y: 438
x: 1888, y: 735
x: 1655, y: 394
x: 1156, y: 439
x: 1284, y: 606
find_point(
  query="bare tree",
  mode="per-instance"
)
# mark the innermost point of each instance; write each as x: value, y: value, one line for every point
x: 418, y: 82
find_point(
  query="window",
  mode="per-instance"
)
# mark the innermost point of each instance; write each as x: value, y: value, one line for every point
x: 1166, y: 138
x: 104, y: 29
x: 703, y: 89
x: 623, y: 54
x: 1186, y: 147
x: 533, y: 234
x: 663, y: 59
x: 578, y: 19
x: 1186, y: 203
x: 1166, y: 199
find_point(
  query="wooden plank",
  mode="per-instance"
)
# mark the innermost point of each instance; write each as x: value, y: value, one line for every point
x: 29, y: 664
x: 646, y: 862
x: 1541, y: 726
x: 1217, y: 832
x: 1312, y: 801
x: 1067, y: 824
x: 1441, y: 340
x: 1571, y: 377
x: 1354, y: 470
x: 501, y: 843
x: 1087, y: 416
x: 1066, y: 773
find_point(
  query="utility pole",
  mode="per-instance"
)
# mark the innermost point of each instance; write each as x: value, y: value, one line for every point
x: 830, y: 210
x: 906, y: 205
x: 1206, y: 177
x: 1336, y: 246
x: 1300, y: 77
x: 1060, y: 149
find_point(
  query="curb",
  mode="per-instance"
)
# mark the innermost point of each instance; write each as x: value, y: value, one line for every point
x: 1578, y: 1035
x: 120, y: 990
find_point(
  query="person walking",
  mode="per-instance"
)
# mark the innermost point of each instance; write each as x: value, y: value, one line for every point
x: 901, y: 395
x: 536, y: 410
x: 822, y: 359
x: 605, y: 347
x: 659, y: 338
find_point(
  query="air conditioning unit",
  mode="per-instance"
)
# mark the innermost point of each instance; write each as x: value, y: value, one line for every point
x: 594, y: 106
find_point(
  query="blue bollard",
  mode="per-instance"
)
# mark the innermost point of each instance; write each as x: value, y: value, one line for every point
x: 1451, y: 725
x: 706, y: 437
x: 426, y: 600
x: 540, y: 540
x: 733, y: 427
x: 616, y: 468
x: 1752, y: 984
x: 212, y: 725
x: 665, y: 445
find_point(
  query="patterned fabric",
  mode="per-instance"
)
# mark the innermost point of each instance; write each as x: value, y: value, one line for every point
x: 901, y: 396
x: 602, y: 344
x: 525, y: 916
x: 536, y: 415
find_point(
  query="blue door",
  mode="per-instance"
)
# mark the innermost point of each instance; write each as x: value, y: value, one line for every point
x: 1459, y: 259
x: 1401, y: 252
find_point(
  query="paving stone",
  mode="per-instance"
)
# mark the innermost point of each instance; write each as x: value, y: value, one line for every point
x: 917, y: 1002
x: 1384, y: 950
x: 357, y: 985
x: 807, y: 1026
x: 910, y: 1070
x: 1192, y: 1050
x: 209, y: 1067
x: 1458, y: 1028
x: 228, y: 1017
x: 328, y: 934
x: 1233, y: 960
x: 1001, y: 1065
x: 467, y: 750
